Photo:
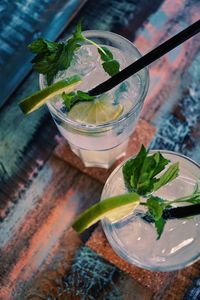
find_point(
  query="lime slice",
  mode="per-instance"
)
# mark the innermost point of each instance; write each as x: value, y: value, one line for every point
x: 95, y: 112
x: 39, y: 98
x: 114, y: 209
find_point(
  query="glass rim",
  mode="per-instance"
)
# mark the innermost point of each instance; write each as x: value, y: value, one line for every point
x: 139, y: 99
x: 122, y: 252
x: 152, y: 151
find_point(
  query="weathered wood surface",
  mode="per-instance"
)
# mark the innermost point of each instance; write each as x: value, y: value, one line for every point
x: 31, y: 232
x: 40, y: 195
x: 21, y: 22
x: 172, y: 103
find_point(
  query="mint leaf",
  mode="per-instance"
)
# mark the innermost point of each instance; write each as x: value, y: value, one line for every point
x: 152, y: 166
x: 159, y: 224
x: 161, y: 162
x: 110, y: 65
x: 68, y: 99
x: 78, y: 32
x: 38, y: 46
x: 169, y: 175
x: 52, y: 57
x: 131, y: 169
x: 106, y: 54
x: 156, y: 207
x: 74, y: 97
x: 84, y: 96
x: 159, y: 209
x: 140, y: 173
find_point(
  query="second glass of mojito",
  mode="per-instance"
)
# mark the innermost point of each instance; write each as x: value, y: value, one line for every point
x: 98, y: 141
x: 135, y: 239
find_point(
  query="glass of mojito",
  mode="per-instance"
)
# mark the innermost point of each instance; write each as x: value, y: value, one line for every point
x: 134, y: 237
x: 98, y: 131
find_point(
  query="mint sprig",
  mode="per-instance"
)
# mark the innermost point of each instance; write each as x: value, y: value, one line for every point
x: 52, y: 57
x: 110, y: 65
x: 140, y: 173
x: 73, y: 98
x: 157, y: 208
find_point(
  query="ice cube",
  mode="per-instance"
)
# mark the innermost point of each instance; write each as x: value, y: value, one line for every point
x: 85, y: 60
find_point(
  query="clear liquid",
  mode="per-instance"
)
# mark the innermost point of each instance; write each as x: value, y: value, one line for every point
x: 88, y: 65
x: 136, y: 240
x: 100, y: 148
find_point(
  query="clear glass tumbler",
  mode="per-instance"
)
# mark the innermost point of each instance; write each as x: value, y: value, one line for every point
x: 101, y: 145
x: 135, y: 240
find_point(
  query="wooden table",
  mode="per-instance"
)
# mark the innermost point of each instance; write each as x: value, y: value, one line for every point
x: 43, y: 187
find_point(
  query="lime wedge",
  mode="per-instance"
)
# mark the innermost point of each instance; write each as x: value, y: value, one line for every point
x: 114, y: 209
x: 39, y: 98
x: 95, y: 112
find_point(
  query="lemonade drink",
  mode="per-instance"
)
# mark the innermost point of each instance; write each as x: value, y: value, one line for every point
x: 101, y: 142
x: 135, y: 239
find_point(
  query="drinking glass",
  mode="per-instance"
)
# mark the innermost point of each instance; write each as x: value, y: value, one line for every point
x: 100, y: 145
x: 135, y: 239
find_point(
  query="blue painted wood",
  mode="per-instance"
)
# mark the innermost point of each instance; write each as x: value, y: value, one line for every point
x: 178, y: 130
x: 21, y: 22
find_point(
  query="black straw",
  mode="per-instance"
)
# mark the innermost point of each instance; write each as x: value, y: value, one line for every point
x: 146, y: 59
x: 181, y: 212
x: 177, y: 212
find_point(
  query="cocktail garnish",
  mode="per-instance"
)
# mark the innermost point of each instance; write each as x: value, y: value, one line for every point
x: 96, y: 112
x: 113, y: 208
x: 41, y: 97
x: 52, y: 57
x: 73, y: 98
x: 158, y: 208
x: 140, y: 172
x: 110, y: 65
x: 140, y: 177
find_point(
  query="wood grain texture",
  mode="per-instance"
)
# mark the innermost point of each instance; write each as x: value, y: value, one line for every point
x: 48, y: 281
x: 179, y: 130
x: 183, y: 279
x: 25, y: 145
x: 40, y: 195
x: 166, y: 85
x: 32, y: 230
x: 106, y: 281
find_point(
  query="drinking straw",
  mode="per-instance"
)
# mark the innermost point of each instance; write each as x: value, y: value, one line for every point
x: 177, y: 213
x: 181, y: 212
x: 147, y: 59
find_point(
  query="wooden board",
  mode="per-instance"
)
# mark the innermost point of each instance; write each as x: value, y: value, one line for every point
x: 36, y: 227
x: 40, y: 194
